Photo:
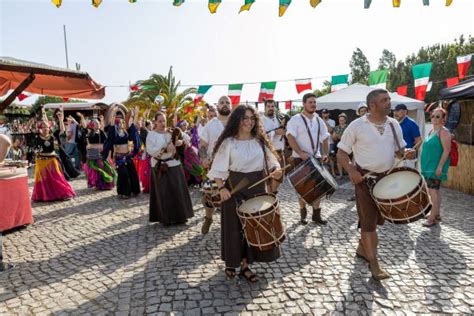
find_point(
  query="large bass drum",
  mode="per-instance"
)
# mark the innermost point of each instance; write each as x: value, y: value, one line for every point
x: 312, y: 181
x: 402, y: 195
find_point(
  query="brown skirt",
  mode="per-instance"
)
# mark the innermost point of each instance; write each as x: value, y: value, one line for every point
x: 234, y: 247
x: 170, y: 202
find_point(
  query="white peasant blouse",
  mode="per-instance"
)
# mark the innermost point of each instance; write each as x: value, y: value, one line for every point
x: 240, y: 156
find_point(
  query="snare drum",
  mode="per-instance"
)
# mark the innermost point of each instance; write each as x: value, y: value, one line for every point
x: 211, y: 196
x: 402, y: 195
x: 312, y: 181
x: 261, y: 223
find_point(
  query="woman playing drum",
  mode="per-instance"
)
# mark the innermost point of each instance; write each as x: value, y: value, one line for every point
x: 242, y: 151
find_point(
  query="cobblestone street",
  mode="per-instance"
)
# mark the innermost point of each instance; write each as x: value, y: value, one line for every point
x: 97, y: 254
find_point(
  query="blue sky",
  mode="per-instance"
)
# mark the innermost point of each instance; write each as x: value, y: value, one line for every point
x: 121, y: 42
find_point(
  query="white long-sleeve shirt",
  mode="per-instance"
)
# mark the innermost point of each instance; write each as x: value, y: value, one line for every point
x: 240, y: 156
x: 155, y: 143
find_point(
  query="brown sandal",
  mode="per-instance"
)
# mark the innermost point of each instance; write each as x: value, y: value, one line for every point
x: 248, y: 275
x: 230, y: 273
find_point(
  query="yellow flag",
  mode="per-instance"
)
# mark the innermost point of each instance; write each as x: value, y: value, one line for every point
x: 57, y: 3
x: 314, y: 3
x: 96, y: 3
x: 396, y: 3
x: 448, y: 2
x: 247, y: 5
x: 213, y: 5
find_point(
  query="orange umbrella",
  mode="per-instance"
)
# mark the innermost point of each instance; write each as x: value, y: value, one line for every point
x: 37, y: 78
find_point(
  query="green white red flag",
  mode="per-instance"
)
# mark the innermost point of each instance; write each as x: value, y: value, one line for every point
x: 303, y: 85
x: 463, y: 65
x: 267, y: 89
x: 421, y: 75
x: 201, y: 91
x: 339, y: 82
x: 235, y: 90
x: 378, y: 79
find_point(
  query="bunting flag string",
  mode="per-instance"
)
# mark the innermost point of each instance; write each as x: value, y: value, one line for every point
x: 234, y: 92
x: 463, y: 65
x: 339, y: 82
x: 282, y: 7
x: 267, y: 89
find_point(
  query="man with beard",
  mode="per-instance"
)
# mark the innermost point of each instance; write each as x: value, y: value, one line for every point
x: 305, y: 132
x: 273, y: 126
x: 207, y: 139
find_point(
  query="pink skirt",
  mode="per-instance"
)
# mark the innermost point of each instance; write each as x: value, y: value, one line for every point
x: 50, y: 184
x: 144, y: 173
x: 100, y: 174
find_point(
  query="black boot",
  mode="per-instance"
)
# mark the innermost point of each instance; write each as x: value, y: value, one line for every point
x: 317, y: 216
x: 303, y: 213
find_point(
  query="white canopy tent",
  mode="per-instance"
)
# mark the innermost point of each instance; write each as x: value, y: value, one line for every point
x: 349, y: 99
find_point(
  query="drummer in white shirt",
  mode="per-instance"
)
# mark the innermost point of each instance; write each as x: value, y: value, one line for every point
x: 305, y: 147
x: 371, y: 138
x: 207, y: 139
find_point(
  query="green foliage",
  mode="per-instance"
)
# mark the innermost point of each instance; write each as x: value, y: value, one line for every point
x: 443, y: 57
x: 326, y: 89
x: 165, y: 86
x: 45, y: 99
x: 360, y: 67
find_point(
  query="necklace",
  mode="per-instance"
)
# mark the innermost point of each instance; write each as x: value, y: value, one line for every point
x: 380, y: 127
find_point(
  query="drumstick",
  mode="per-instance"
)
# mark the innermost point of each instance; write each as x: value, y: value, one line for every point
x: 267, y: 177
x: 242, y: 184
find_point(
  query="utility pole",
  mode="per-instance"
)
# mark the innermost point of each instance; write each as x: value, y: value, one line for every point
x: 65, y: 46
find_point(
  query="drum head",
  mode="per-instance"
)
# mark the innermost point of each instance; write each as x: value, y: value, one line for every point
x: 325, y: 173
x: 257, y: 204
x: 396, y: 185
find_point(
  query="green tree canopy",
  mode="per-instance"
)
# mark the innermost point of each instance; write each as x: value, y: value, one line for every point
x: 360, y: 67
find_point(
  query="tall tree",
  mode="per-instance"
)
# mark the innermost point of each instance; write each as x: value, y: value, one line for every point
x: 360, y: 67
x: 387, y: 61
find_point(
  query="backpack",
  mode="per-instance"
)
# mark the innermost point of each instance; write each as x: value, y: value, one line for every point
x: 453, y: 153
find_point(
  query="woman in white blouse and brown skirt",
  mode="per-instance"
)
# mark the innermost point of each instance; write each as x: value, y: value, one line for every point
x: 242, y: 151
x: 170, y: 202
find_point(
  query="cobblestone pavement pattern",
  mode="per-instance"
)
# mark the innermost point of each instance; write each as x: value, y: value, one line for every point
x: 98, y: 254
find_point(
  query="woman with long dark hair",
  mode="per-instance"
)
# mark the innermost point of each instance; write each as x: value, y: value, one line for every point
x: 170, y: 202
x: 242, y: 151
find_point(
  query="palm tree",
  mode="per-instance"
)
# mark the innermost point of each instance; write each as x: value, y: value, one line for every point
x: 165, y: 86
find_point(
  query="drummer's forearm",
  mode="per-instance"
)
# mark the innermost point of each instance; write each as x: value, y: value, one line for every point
x: 325, y: 147
x: 294, y: 144
x: 344, y: 160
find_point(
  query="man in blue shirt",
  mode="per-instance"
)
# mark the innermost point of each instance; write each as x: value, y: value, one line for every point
x: 410, y: 130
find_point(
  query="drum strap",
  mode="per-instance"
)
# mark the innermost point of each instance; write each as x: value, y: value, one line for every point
x: 309, y: 134
x: 395, y: 136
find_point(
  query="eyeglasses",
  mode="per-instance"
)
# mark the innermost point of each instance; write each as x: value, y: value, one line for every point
x: 248, y: 118
x: 436, y: 116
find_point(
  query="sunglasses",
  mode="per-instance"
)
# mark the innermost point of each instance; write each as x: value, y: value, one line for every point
x: 248, y: 118
x: 436, y: 116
